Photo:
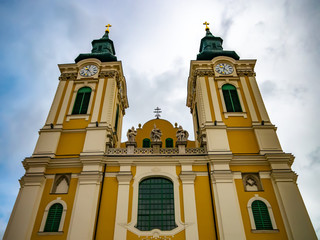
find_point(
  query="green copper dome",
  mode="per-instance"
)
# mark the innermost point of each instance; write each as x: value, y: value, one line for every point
x: 102, y: 49
x: 211, y: 47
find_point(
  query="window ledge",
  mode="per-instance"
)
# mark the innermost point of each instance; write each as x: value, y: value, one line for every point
x: 265, y: 231
x: 78, y: 116
x: 50, y: 233
x: 235, y: 114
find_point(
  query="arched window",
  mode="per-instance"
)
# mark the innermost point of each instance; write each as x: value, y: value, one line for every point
x: 169, y: 143
x: 156, y: 205
x: 82, y: 101
x: 261, y: 215
x: 146, y: 143
x: 54, y: 218
x: 231, y: 98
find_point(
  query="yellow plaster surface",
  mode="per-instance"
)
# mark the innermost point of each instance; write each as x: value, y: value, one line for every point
x: 242, y: 141
x: 62, y: 170
x: 71, y: 143
x: 76, y: 124
x: 113, y: 169
x: 167, y: 129
x: 250, y: 168
x: 199, y: 168
x: 204, y: 209
x: 269, y: 195
x: 45, y: 200
x: 108, y: 209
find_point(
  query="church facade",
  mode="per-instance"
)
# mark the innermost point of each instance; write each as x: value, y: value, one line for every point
x: 232, y: 182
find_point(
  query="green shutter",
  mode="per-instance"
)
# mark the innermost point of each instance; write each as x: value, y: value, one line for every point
x: 53, y: 218
x: 146, y: 143
x: 231, y: 98
x: 156, y: 205
x: 261, y: 215
x: 169, y: 143
x: 82, y: 101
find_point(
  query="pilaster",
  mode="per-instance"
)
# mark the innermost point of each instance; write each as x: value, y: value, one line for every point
x: 22, y: 218
x: 189, y: 203
x: 124, y: 178
x: 293, y: 210
x: 227, y: 205
x: 85, y: 203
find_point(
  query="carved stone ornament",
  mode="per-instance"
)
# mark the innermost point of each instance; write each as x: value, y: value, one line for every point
x: 155, y: 134
x: 246, y: 72
x: 110, y: 74
x: 182, y: 135
x: 203, y: 72
x: 131, y: 135
x: 68, y: 76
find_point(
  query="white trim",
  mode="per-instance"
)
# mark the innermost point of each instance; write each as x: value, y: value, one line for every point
x: 258, y: 98
x: 155, y: 171
x: 55, y: 104
x: 65, y: 101
x: 253, y: 224
x: 247, y: 96
x: 45, y: 214
x: 215, y: 102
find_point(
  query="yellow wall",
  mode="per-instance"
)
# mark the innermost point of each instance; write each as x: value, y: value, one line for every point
x: 269, y: 195
x: 45, y: 200
x: 243, y: 141
x: 167, y: 129
x: 70, y: 144
x: 204, y: 208
x: 108, y: 209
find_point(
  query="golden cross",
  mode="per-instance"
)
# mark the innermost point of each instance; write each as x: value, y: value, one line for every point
x: 107, y: 26
x: 206, y: 23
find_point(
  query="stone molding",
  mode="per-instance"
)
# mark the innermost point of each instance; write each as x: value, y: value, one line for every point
x: 187, y: 177
x: 284, y: 176
x: 124, y: 178
x: 32, y: 180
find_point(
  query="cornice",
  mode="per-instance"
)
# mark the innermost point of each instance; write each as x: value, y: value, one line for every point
x: 284, y: 176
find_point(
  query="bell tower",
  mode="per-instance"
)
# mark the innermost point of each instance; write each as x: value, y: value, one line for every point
x: 231, y: 122
x: 85, y: 119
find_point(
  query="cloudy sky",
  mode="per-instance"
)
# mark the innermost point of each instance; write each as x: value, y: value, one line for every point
x: 155, y: 40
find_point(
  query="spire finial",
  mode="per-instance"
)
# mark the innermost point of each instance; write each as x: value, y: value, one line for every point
x: 107, y: 26
x: 206, y: 23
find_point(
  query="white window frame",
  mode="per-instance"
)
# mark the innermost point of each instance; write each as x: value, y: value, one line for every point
x: 45, y: 216
x: 74, y: 95
x: 253, y: 224
x: 134, y: 216
x: 233, y: 82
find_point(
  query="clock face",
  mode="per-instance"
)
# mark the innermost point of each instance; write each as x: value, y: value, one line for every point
x: 224, y: 68
x: 88, y: 71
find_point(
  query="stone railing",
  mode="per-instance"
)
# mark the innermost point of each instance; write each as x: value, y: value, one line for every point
x: 150, y: 151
